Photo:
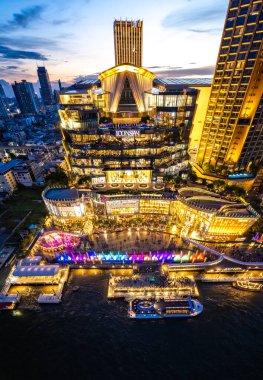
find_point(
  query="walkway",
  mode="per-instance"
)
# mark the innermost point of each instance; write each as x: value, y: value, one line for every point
x: 226, y: 257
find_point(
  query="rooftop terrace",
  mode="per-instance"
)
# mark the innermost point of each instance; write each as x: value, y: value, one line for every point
x: 64, y: 194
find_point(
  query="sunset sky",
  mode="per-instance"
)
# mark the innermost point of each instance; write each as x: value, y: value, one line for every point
x: 75, y: 37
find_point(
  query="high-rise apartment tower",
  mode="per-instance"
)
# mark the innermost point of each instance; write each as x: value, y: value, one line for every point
x: 128, y: 42
x: 233, y: 122
x: 26, y: 98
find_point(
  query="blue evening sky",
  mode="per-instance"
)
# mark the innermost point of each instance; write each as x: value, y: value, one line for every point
x: 75, y: 37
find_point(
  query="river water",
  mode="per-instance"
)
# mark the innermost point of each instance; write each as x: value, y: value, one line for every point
x: 89, y: 337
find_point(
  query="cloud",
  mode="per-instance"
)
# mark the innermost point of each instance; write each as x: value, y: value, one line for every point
x: 208, y: 13
x: 26, y: 42
x: 59, y: 22
x: 9, y: 67
x: 8, y: 53
x: 163, y: 67
x: 209, y: 30
x: 79, y: 78
x: 24, y: 18
x: 177, y: 73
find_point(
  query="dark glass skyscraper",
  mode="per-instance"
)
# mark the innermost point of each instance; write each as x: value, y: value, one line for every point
x: 45, y: 86
x: 2, y: 92
x: 3, y: 110
x: 26, y: 98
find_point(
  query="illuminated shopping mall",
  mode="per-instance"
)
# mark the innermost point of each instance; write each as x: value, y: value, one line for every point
x: 193, y: 212
x: 127, y: 126
x: 123, y: 132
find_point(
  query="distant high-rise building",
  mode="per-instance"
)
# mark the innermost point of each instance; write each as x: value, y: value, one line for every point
x: 56, y: 96
x: 232, y: 128
x: 2, y: 92
x: 59, y: 85
x: 26, y: 98
x: 3, y: 110
x: 45, y: 86
x: 3, y: 96
x: 128, y: 42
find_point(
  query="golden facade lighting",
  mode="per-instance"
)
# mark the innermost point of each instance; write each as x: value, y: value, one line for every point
x: 237, y: 87
x: 128, y: 37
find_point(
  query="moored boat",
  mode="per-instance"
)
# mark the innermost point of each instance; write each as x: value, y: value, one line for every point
x: 9, y: 301
x: 164, y: 308
x: 49, y: 298
x: 247, y: 285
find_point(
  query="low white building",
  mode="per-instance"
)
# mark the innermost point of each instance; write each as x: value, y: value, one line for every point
x: 7, y: 179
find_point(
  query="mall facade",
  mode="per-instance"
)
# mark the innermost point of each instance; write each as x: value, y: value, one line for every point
x: 126, y: 126
x: 192, y: 212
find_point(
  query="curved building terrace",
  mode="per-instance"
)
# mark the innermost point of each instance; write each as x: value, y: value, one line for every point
x: 205, y: 216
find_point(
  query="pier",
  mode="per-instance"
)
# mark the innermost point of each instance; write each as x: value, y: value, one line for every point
x: 37, y: 275
x: 151, y: 286
x: 57, y: 296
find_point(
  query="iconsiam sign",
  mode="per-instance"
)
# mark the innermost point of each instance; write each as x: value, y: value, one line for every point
x: 118, y: 257
x: 130, y: 133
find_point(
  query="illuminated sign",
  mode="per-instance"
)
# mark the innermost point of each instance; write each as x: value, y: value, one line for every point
x: 123, y: 206
x: 129, y: 133
x: 98, y: 180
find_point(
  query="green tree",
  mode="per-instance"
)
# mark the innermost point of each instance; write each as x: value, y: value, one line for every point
x: 85, y: 180
x: 235, y: 190
x: 219, y: 186
x: 192, y: 176
x: 145, y: 119
x: 258, y: 226
x: 105, y: 119
x: 59, y: 178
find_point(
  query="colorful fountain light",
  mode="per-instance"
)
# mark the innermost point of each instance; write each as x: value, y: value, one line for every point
x: 119, y: 257
x: 258, y: 238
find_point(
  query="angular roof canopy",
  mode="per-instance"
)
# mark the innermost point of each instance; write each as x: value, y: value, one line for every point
x: 127, y: 67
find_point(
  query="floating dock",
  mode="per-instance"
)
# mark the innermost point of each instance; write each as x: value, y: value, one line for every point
x: 151, y: 286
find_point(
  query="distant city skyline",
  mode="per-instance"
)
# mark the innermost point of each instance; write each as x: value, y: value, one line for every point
x: 75, y: 39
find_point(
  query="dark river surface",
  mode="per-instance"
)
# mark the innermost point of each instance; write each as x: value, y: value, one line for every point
x: 89, y: 337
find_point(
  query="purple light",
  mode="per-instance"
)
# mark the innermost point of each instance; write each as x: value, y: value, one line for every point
x: 93, y: 257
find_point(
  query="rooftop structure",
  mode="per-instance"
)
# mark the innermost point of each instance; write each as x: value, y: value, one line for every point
x: 35, y: 275
x: 62, y: 194
x: 36, y: 271
x: 4, y: 167
x: 64, y: 202
x: 8, y: 181
x: 31, y: 260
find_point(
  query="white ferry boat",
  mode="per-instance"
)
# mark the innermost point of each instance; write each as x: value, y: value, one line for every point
x: 248, y: 285
x: 164, y: 308
x: 49, y: 298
